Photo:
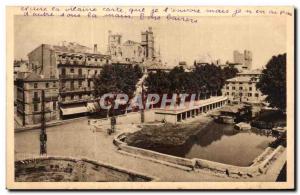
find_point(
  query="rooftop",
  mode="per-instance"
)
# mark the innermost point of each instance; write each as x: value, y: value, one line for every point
x: 71, y: 47
x: 248, y: 72
x: 34, y: 77
x: 130, y: 42
x: 242, y: 79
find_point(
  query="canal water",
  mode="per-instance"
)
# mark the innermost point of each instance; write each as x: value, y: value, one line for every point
x: 222, y: 143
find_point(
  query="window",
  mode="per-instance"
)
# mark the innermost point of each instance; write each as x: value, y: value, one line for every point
x: 79, y: 83
x: 89, y: 59
x: 72, y: 97
x: 72, y: 85
x: 36, y: 95
x: 54, y: 84
x: 256, y: 94
x: 233, y: 88
x: 35, y: 107
x: 80, y: 96
x: 233, y: 94
x: 72, y: 70
x: 227, y: 93
x: 35, y: 85
x: 227, y: 87
x: 54, y: 105
x: 241, y: 94
x: 249, y: 94
x: 241, y: 88
x: 63, y: 84
x: 63, y: 99
x: 63, y: 71
x: 80, y: 71
x: 89, y: 83
x: 47, y: 85
x: 95, y: 71
x: 250, y: 88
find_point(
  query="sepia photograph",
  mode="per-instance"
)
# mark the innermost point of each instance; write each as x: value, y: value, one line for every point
x: 150, y: 97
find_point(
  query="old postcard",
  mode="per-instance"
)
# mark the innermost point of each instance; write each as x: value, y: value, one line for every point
x: 150, y: 97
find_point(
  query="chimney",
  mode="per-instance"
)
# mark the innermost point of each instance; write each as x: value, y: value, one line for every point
x: 95, y: 48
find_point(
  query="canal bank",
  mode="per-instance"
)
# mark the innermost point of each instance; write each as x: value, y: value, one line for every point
x: 203, y: 139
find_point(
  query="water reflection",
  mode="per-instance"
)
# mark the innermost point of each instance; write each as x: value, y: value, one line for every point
x: 223, y: 143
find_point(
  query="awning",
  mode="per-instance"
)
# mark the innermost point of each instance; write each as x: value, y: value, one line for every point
x: 73, y: 110
x: 91, y: 107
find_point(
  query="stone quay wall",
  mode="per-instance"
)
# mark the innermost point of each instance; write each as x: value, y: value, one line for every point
x: 55, y: 168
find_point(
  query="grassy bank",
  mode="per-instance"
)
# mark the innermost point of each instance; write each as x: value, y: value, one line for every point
x: 166, y: 135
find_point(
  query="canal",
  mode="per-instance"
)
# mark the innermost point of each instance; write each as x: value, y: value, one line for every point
x: 222, y: 143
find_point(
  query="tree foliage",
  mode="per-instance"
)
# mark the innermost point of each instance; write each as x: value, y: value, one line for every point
x: 117, y: 78
x: 203, y: 79
x: 273, y: 82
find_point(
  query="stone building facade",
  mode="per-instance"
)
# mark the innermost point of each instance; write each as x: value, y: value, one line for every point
x: 29, y: 99
x: 74, y: 67
x: 243, y: 88
x: 244, y: 58
x: 131, y: 51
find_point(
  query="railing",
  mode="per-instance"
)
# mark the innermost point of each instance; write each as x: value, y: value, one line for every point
x: 91, y: 76
x: 72, y: 76
x: 36, y: 99
x: 51, y: 98
x: 76, y: 100
x: 71, y: 62
x: 74, y: 90
x: 94, y: 64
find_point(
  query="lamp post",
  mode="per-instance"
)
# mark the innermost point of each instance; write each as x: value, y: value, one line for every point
x: 43, y: 134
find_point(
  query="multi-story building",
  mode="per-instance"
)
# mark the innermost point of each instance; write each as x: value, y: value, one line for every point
x: 73, y: 68
x: 245, y: 59
x: 29, y: 99
x: 243, y: 88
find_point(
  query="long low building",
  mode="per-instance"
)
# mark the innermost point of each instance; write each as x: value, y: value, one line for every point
x: 179, y: 114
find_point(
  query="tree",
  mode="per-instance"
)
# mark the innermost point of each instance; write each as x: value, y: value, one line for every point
x: 117, y: 78
x: 229, y: 72
x: 273, y: 82
x: 158, y: 82
x: 210, y: 78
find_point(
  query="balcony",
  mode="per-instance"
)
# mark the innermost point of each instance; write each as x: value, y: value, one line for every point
x: 36, y: 99
x: 94, y: 64
x: 91, y: 76
x: 75, y: 101
x: 51, y: 98
x: 75, y: 90
x: 70, y: 63
x: 71, y: 76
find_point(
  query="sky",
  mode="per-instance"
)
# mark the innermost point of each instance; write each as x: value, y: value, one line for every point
x: 215, y: 36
